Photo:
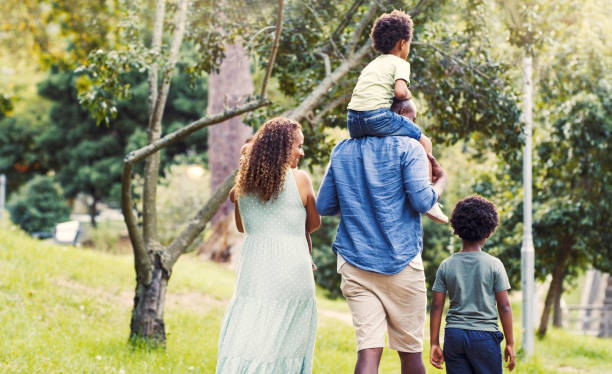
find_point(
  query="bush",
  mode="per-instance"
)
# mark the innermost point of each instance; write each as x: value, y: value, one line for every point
x: 38, y: 205
x: 322, y: 254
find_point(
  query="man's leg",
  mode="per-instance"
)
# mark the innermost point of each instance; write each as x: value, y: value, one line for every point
x: 369, y: 318
x: 368, y: 360
x: 412, y: 363
x: 406, y: 303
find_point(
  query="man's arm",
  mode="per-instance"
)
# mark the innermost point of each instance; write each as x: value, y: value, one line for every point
x: 415, y: 174
x: 505, y: 315
x: 437, y: 305
x: 327, y: 199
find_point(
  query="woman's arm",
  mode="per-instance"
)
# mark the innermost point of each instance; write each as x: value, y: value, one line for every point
x: 234, y: 199
x: 313, y: 219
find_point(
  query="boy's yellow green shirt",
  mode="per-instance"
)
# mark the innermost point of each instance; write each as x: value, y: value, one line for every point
x: 374, y: 88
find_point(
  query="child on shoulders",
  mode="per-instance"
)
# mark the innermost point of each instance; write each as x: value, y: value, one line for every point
x: 383, y: 79
x: 476, y: 283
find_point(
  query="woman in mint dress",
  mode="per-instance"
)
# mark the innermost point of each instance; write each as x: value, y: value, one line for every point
x: 269, y: 326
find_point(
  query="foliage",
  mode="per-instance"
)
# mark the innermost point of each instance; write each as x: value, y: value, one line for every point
x: 87, y: 158
x: 572, y: 158
x: 21, y: 157
x: 38, y: 206
x: 57, y: 31
x: 179, y: 192
x: 326, y: 275
x: 5, y: 105
x: 465, y: 94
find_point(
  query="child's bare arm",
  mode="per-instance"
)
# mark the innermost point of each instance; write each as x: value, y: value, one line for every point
x: 401, y: 90
x: 505, y: 315
x: 437, y: 305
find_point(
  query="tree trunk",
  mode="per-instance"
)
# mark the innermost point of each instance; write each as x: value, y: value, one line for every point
x: 147, y: 321
x: 558, y: 313
x: 92, y: 211
x: 556, y: 285
x: 227, y: 88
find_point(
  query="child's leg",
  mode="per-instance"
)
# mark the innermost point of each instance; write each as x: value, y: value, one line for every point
x: 483, y: 351
x: 383, y: 122
x: 426, y: 143
x: 454, y: 352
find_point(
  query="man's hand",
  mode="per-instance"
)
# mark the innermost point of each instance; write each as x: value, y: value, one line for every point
x: 509, y: 356
x: 435, y: 356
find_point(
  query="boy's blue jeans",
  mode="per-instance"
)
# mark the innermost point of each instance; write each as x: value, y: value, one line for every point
x: 380, y: 122
x: 472, y: 351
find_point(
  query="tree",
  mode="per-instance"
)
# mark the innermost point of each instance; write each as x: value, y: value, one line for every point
x: 562, y: 249
x: 38, y: 206
x: 229, y: 87
x: 153, y: 261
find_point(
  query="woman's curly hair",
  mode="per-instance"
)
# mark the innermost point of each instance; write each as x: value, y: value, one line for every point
x: 474, y: 218
x: 390, y: 28
x: 265, y: 162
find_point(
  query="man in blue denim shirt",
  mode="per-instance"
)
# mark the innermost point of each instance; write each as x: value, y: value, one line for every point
x: 380, y: 186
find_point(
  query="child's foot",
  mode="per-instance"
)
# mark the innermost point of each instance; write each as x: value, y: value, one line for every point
x: 437, y: 215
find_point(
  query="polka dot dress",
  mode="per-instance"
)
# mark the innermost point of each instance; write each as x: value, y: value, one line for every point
x: 269, y: 326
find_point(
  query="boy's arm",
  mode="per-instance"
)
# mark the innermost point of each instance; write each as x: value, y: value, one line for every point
x: 401, y: 91
x: 505, y: 315
x: 437, y: 305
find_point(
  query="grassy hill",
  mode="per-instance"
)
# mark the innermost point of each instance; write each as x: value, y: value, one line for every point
x: 67, y: 310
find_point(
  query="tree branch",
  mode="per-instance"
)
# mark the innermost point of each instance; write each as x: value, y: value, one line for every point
x: 149, y: 200
x: 179, y: 134
x: 347, y: 18
x: 330, y: 106
x: 365, y: 20
x: 311, y: 101
x: 455, y: 59
x: 199, y: 221
x: 325, y: 61
x: 279, y: 27
x: 417, y: 8
x: 142, y: 262
x: 158, y: 29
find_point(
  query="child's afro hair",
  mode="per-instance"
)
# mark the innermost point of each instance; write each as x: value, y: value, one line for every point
x: 390, y: 28
x: 474, y: 218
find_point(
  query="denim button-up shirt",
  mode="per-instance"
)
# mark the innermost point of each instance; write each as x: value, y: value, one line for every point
x: 379, y: 186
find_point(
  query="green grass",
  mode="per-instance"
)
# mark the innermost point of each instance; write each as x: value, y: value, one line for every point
x: 67, y: 310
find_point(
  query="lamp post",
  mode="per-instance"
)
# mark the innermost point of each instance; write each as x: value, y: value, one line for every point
x: 2, y: 194
x: 527, y: 249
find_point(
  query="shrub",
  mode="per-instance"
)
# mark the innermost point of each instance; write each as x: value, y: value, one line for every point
x: 38, y: 205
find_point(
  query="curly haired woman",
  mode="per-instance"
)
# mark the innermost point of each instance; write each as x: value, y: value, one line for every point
x: 270, y: 323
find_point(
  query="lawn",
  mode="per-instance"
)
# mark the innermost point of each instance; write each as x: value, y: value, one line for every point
x: 67, y: 310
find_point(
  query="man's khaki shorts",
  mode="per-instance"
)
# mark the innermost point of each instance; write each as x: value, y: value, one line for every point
x: 379, y: 302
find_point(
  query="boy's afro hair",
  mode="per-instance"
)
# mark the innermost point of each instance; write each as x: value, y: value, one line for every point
x: 390, y: 28
x: 474, y: 218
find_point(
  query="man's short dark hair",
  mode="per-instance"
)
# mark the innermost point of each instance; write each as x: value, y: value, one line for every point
x: 390, y: 28
x: 474, y: 218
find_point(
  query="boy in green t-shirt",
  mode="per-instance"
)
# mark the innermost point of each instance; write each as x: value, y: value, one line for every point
x: 476, y: 283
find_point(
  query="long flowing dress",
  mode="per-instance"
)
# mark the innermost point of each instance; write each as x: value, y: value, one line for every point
x: 270, y: 324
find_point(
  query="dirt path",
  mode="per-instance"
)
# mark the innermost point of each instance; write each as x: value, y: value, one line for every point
x: 195, y: 301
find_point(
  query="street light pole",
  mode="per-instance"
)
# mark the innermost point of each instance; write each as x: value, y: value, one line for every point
x: 2, y: 194
x: 527, y: 249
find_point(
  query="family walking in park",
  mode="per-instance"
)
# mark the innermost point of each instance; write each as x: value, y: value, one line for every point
x: 379, y: 181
